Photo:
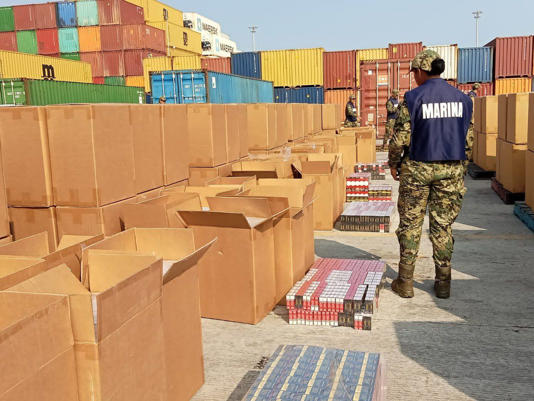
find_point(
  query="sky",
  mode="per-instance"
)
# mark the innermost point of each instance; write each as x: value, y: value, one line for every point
x: 359, y: 24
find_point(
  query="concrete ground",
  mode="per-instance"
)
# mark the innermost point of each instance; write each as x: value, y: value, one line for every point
x: 477, y: 345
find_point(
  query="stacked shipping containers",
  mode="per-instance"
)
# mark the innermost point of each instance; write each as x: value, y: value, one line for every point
x: 340, y: 77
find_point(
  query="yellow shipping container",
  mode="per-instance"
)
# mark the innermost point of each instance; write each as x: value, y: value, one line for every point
x: 301, y: 67
x: 21, y: 65
x: 369, y: 55
x: 181, y: 53
x: 178, y: 37
x: 155, y: 11
x: 186, y: 63
x: 154, y: 64
x: 138, y: 81
x: 512, y: 85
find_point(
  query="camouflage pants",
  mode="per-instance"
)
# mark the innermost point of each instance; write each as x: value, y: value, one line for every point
x: 440, y: 186
x: 351, y: 124
x: 389, y: 131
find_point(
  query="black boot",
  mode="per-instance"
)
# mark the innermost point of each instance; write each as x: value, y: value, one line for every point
x: 442, y: 285
x: 403, y: 284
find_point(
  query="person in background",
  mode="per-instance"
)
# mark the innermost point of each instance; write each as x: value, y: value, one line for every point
x: 162, y: 100
x: 392, y: 106
x: 428, y: 153
x: 474, y: 90
x: 351, y: 113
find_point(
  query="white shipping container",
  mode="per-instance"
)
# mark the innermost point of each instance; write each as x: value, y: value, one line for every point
x: 202, y: 24
x: 220, y: 47
x: 449, y: 53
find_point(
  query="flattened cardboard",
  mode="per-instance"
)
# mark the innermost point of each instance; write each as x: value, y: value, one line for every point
x: 233, y: 132
x: 175, y: 143
x: 29, y: 221
x: 199, y: 176
x: 87, y: 142
x: 207, y: 135
x: 148, y: 148
x: 25, y: 156
x: 516, y: 121
x: 15, y: 269
x: 261, y: 126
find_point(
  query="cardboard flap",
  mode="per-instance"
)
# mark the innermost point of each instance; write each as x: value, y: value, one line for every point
x: 245, y: 181
x: 67, y: 241
x: 15, y: 269
x: 251, y: 207
x: 205, y: 192
x: 166, y: 243
x: 292, y: 194
x: 180, y: 266
x: 218, y: 219
x: 144, y: 215
x: 256, y: 173
x: 34, y: 245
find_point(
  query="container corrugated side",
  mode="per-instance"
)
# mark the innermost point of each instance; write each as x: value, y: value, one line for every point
x: 68, y: 40
x: 155, y: 10
x: 186, y: 63
x: 475, y: 64
x: 7, y: 19
x: 513, y: 56
x: 339, y: 97
x: 486, y: 88
x: 179, y: 37
x: 87, y: 13
x: 18, y: 65
x: 24, y: 17
x: 309, y: 94
x: 155, y: 64
x: 227, y: 88
x: 449, y: 53
x: 66, y: 14
x: 247, y: 64
x: 368, y: 55
x: 45, y: 16
x: 27, y: 42
x: 340, y: 69
x: 302, y: 67
x: 12, y: 92
x: 398, y: 51
x: 138, y: 81
x: 505, y: 86
x: 71, y: 56
x: 216, y: 64
x: 116, y: 81
x: 89, y: 38
x: 8, y: 41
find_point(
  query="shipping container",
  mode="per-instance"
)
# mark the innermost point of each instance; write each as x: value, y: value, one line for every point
x: 151, y: 64
x: 24, y: 17
x: 216, y: 64
x: 99, y: 80
x: 475, y: 64
x: 17, y: 65
x: 449, y: 54
x: 378, y: 80
x: 114, y: 64
x: 504, y: 86
x: 291, y: 68
x: 486, y: 88
x: 368, y: 55
x: 96, y: 60
x: 247, y: 64
x: 138, y: 37
x: 135, y: 81
x: 8, y: 41
x: 47, y: 41
x: 113, y: 12
x: 398, y: 51
x: 186, y: 63
x: 339, y: 97
x: 27, y: 42
x: 340, y: 69
x: 87, y: 13
x: 209, y: 87
x: 7, y: 19
x: 66, y: 14
x: 156, y: 11
x: 68, y: 40
x: 71, y: 56
x: 133, y: 61
x: 116, y: 81
x: 45, y: 16
x: 89, y: 37
x: 111, y: 37
x: 513, y: 56
x: 40, y: 93
x: 179, y: 37
x: 307, y: 94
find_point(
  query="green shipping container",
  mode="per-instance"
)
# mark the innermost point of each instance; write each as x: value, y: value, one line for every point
x: 87, y: 13
x: 27, y: 42
x: 71, y: 56
x: 117, y: 81
x: 42, y: 93
x: 7, y: 19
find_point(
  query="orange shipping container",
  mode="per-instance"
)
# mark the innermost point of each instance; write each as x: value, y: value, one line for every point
x: 89, y: 37
x: 339, y: 97
x: 217, y: 64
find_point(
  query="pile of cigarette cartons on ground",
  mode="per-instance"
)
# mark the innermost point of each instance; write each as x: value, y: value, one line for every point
x: 367, y: 217
x: 377, y: 170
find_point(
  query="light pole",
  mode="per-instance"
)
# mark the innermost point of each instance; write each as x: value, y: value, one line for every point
x: 476, y: 15
x: 253, y: 29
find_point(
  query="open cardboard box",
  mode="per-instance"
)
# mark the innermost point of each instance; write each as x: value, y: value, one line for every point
x: 37, y: 360
x: 246, y: 182
x: 199, y: 175
x: 237, y: 277
x: 181, y: 256
x: 278, y: 167
x: 69, y: 250
x: 204, y: 192
x: 14, y: 269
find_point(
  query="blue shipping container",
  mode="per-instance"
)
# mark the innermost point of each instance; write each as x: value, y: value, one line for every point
x: 247, y: 64
x: 475, y: 64
x: 66, y: 14
x: 305, y: 94
x: 189, y: 86
x: 68, y: 40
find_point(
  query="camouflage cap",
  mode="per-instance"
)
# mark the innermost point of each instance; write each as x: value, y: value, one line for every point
x: 476, y: 86
x: 423, y: 60
x: 352, y: 96
x: 395, y: 91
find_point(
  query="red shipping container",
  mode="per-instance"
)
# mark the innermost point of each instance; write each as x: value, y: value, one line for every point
x: 8, y: 41
x: 339, y: 69
x: 513, y: 56
x: 45, y: 15
x: 99, y: 80
x: 114, y: 64
x: 137, y: 37
x: 47, y: 41
x: 133, y: 61
x: 486, y: 88
x: 96, y: 59
x: 217, y: 64
x: 24, y: 17
x: 111, y: 37
x: 111, y: 12
x: 398, y: 51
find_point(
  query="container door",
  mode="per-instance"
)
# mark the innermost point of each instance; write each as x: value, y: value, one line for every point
x: 12, y: 93
x: 191, y: 87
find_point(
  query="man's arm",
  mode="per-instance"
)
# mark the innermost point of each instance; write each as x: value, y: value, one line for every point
x: 401, y: 137
x: 390, y: 107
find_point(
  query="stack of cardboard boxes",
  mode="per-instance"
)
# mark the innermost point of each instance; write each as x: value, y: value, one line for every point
x: 486, y: 128
x: 529, y: 156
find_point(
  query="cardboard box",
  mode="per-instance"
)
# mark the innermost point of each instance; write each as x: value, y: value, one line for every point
x: 4, y: 214
x: 490, y: 115
x: 346, y: 144
x: 511, y: 166
x: 207, y: 135
x: 297, y: 117
x: 6, y: 240
x: 529, y: 179
x: 181, y: 254
x: 15, y: 269
x: 245, y: 183
x: 154, y: 193
x: 278, y: 167
x: 475, y: 148
x: 487, y: 151
x: 261, y: 126
x: 175, y: 143
x: 147, y: 131
x: 284, y: 123
x: 91, y: 150
x: 91, y: 220
x: 317, y: 117
x: 37, y: 348
x: 69, y: 250
x: 477, y: 113
x: 365, y: 145
x: 237, y: 276
x: 531, y: 123
x: 308, y: 119
x: 308, y: 147
x: 517, y: 120
x: 329, y: 116
x: 502, y: 101
x: 236, y: 129
x: 199, y: 176
x: 29, y: 221
x: 25, y: 156
x: 205, y: 192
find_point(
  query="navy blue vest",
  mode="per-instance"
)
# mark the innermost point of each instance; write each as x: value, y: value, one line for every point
x: 394, y: 115
x: 440, y: 117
